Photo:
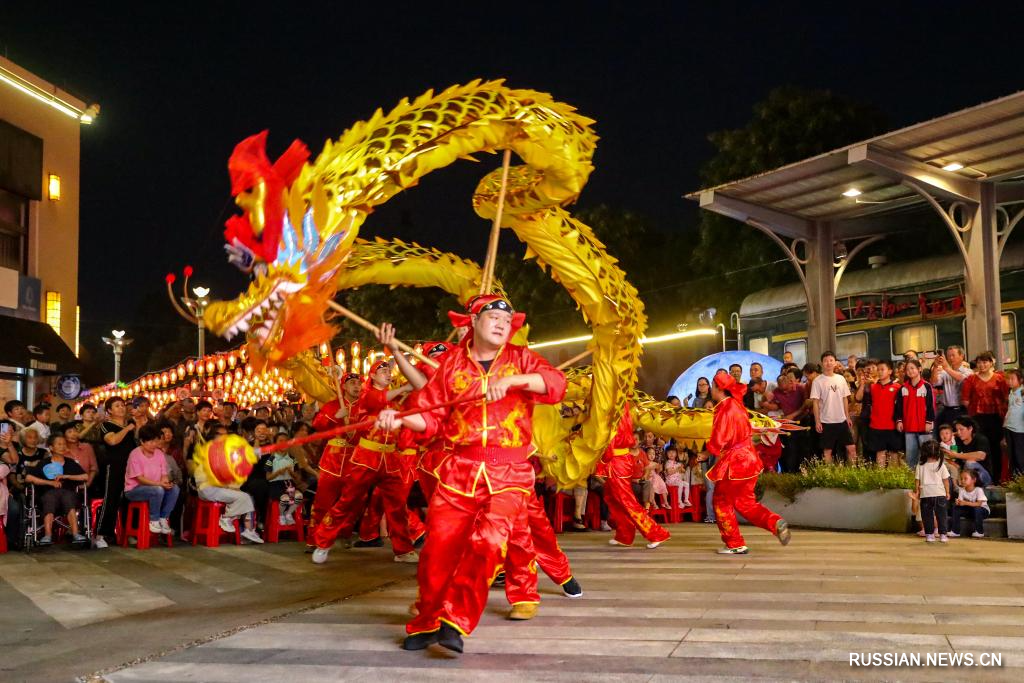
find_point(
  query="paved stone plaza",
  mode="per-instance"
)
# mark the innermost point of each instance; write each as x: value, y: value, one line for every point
x: 675, y: 613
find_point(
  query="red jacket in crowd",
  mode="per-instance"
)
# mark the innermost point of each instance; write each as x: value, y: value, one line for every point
x: 915, y: 406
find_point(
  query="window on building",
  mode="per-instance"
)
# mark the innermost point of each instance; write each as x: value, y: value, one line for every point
x: 53, y: 310
x: 758, y: 345
x: 13, y: 231
x: 1008, y: 327
x: 920, y: 338
x: 798, y: 349
x: 851, y: 344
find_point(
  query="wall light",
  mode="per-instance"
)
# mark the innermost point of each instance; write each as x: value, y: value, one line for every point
x: 852, y: 192
x: 53, y: 310
x: 953, y: 166
x: 699, y: 332
x: 53, y: 187
x: 86, y: 116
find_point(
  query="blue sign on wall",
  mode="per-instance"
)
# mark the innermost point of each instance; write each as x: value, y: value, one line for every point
x: 30, y: 295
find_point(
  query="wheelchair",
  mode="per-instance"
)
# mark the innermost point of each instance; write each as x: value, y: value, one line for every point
x: 32, y: 517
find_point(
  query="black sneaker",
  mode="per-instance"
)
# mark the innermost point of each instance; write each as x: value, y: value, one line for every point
x: 375, y: 543
x: 572, y: 588
x: 419, y: 641
x: 499, y: 581
x: 450, y: 638
x: 418, y: 543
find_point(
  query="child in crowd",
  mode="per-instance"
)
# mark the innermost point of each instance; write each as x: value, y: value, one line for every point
x: 933, y: 491
x: 879, y: 400
x: 970, y: 502
x: 659, y: 490
x: 677, y: 474
x: 281, y: 475
x: 1014, y: 422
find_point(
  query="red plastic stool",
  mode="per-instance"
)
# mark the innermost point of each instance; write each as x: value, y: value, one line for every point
x: 206, y: 525
x: 659, y: 514
x: 136, y: 523
x: 675, y: 513
x: 696, y: 503
x: 274, y: 528
x: 3, y: 538
x: 593, y: 511
x: 558, y: 513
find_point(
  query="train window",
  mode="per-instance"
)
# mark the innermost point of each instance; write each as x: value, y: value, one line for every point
x: 916, y: 337
x: 1008, y: 327
x: 798, y: 349
x: 758, y: 345
x: 851, y: 344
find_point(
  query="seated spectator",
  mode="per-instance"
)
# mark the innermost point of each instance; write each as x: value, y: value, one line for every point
x: 57, y: 478
x: 973, y: 448
x: 175, y: 459
x: 283, y: 470
x: 79, y: 451
x: 147, y: 479
x: 238, y: 504
x: 675, y: 402
x: 972, y: 503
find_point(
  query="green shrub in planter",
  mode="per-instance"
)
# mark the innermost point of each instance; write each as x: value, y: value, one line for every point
x: 1015, y: 485
x: 819, y: 475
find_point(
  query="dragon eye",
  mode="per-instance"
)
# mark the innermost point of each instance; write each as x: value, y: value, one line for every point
x: 259, y: 270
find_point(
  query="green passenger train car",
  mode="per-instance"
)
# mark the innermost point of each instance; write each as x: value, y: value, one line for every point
x: 886, y: 310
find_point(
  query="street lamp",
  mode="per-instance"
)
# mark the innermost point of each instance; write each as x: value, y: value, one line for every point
x: 118, y: 342
x: 197, y: 306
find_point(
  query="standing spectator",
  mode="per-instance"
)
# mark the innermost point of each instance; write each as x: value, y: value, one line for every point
x: 915, y: 411
x: 879, y: 401
x: 1014, y: 423
x: 851, y: 363
x: 81, y: 452
x: 90, y: 426
x: 147, y: 479
x: 790, y: 397
x: 757, y: 372
x: 227, y: 415
x: 702, y: 399
x: 171, y: 416
x: 140, y: 411
x: 829, y: 394
x: 948, y: 373
x: 17, y: 415
x: 64, y: 416
x: 196, y: 432
x: 41, y: 413
x: 933, y: 491
x: 736, y: 370
x: 118, y: 433
x: 787, y: 357
x: 984, y: 395
x: 757, y: 388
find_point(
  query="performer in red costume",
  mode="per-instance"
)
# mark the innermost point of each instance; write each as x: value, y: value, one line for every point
x: 435, y: 449
x: 736, y: 471
x: 373, y: 462
x: 329, y: 483
x: 369, y: 525
x: 624, y: 512
x: 486, y: 483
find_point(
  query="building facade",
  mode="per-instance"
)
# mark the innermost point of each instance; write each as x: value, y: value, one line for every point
x: 40, y: 128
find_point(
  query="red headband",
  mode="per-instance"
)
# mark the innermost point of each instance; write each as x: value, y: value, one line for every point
x: 726, y: 382
x: 486, y: 302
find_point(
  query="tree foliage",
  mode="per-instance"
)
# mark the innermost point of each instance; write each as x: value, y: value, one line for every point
x: 789, y: 125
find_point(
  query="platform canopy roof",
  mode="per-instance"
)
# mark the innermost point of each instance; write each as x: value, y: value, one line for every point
x: 949, y: 157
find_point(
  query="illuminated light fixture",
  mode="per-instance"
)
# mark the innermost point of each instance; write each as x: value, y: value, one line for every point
x: 180, y: 372
x: 852, y: 192
x: 201, y: 292
x: 699, y: 332
x: 953, y: 166
x: 232, y: 360
x: 210, y: 367
x: 86, y: 116
x: 339, y: 357
x: 118, y: 334
x: 53, y: 310
x: 221, y: 363
x: 53, y: 187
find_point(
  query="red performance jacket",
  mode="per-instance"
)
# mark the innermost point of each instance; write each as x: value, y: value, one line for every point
x: 730, y: 442
x: 337, y: 449
x: 915, y: 405
x: 374, y: 447
x: 617, y: 461
x: 883, y: 405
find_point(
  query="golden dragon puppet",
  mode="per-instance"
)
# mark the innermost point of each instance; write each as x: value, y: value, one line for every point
x: 297, y: 236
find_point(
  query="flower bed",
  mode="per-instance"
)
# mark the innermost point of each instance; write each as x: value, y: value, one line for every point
x: 1015, y: 507
x: 836, y: 497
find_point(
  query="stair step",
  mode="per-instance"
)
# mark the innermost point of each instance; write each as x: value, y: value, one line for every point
x: 995, y: 527
x: 995, y: 494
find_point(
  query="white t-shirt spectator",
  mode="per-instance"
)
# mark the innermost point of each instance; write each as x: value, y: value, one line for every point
x: 41, y: 429
x: 931, y: 479
x: 975, y: 496
x: 832, y: 393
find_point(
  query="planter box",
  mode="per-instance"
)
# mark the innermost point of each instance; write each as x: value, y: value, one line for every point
x: 1014, y: 515
x: 888, y: 510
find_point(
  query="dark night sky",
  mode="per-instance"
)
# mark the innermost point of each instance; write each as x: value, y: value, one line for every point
x: 180, y: 86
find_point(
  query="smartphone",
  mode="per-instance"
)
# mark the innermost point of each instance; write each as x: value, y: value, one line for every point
x: 5, y: 427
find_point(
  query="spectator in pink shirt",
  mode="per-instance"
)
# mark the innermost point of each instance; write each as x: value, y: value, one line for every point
x: 146, y: 478
x: 80, y: 451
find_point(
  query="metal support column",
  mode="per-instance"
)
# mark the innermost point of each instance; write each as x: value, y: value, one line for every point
x: 821, y: 327
x: 983, y: 301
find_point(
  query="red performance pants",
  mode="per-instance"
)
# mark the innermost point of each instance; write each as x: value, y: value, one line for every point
x: 467, y: 537
x: 521, y: 582
x: 428, y: 483
x: 369, y: 527
x: 626, y: 515
x: 737, y: 495
x: 328, y: 492
x: 340, y: 520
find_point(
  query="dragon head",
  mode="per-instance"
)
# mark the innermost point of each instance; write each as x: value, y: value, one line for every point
x: 291, y: 244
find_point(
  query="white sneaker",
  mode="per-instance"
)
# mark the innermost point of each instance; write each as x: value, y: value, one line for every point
x: 605, y: 526
x: 943, y: 539
x: 929, y: 538
x: 155, y: 528
x: 741, y: 550
x: 227, y: 524
x: 251, y: 536
x: 411, y: 557
x: 654, y: 544
x: 977, y: 534
x: 100, y: 543
x: 166, y: 526
x: 953, y: 534
x: 612, y: 541
x: 320, y: 555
